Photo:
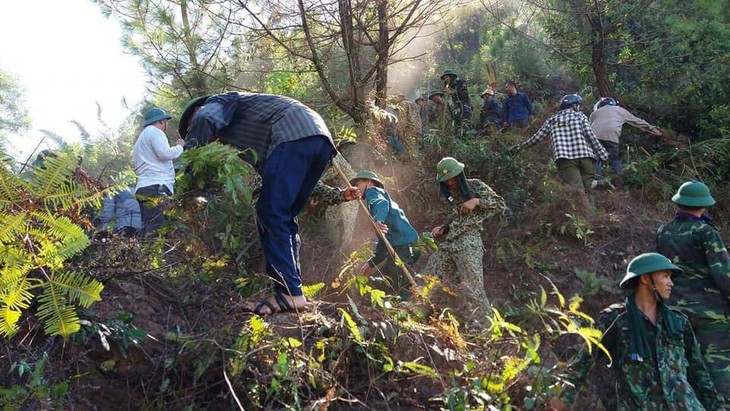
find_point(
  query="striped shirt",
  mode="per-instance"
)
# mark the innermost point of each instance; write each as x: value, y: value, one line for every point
x: 571, y: 137
x: 259, y: 122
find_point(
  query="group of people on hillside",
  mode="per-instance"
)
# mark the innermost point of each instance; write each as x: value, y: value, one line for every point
x: 664, y: 358
x: 456, y: 118
x: 290, y: 147
x: 138, y: 211
x: 580, y: 144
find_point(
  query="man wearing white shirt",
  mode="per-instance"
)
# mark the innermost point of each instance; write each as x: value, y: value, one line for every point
x: 153, y: 164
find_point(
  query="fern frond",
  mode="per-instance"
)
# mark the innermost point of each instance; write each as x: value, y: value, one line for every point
x: 57, y: 172
x: 11, y: 225
x: 72, y: 196
x: 15, y: 293
x: 70, y: 238
x: 8, y: 321
x: 10, y: 183
x: 79, y: 287
x: 90, y: 198
x: 59, y: 317
x: 12, y: 257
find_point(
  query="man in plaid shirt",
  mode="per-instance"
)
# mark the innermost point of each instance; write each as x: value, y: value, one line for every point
x: 575, y: 147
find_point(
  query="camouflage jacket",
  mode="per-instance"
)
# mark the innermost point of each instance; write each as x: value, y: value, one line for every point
x: 694, y: 245
x: 440, y: 116
x: 490, y: 204
x: 673, y: 378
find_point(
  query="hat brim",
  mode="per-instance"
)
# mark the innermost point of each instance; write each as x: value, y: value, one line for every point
x: 188, y: 113
x: 693, y: 202
x: 436, y: 94
x: 155, y: 119
x: 446, y: 177
x: 377, y: 183
x: 628, y: 281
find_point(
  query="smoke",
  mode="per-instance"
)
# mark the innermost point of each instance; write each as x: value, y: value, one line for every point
x: 413, y: 62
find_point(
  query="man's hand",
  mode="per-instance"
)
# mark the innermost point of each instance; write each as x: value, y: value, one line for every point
x: 656, y: 132
x: 366, y: 270
x: 181, y: 142
x: 437, y: 231
x: 468, y: 206
x: 382, y: 227
x: 351, y: 193
x: 505, y: 124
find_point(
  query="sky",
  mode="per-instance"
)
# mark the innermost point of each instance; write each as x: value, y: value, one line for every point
x: 68, y: 58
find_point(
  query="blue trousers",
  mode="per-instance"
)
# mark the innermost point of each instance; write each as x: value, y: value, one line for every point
x: 288, y: 178
x: 614, y: 157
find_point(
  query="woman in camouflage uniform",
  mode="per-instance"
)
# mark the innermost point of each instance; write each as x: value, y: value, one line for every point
x: 469, y: 203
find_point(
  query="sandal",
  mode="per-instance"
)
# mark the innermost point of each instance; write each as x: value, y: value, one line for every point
x: 282, y: 306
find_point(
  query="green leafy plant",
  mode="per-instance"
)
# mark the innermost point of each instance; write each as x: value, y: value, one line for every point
x: 118, y: 333
x: 41, y: 219
x: 578, y: 228
x: 594, y: 284
x: 35, y: 392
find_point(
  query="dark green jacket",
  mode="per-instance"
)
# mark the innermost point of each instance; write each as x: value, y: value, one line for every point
x: 673, y: 378
x: 695, y: 245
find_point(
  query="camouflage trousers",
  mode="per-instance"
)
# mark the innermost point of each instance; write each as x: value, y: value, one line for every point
x: 714, y: 339
x: 460, y: 262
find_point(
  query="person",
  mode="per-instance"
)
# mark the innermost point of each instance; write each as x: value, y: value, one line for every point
x: 692, y: 241
x: 654, y: 352
x: 490, y: 117
x: 409, y: 122
x: 575, y: 147
x: 155, y: 172
x: 424, y: 113
x: 516, y: 107
x: 459, y: 256
x: 456, y: 88
x: 397, y: 229
x: 390, y: 123
x: 120, y: 213
x: 607, y: 120
x: 291, y: 146
x: 440, y: 115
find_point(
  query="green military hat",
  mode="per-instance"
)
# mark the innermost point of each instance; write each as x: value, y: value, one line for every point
x: 435, y: 93
x: 448, y: 168
x: 188, y: 113
x: 693, y: 194
x: 449, y: 73
x: 367, y: 175
x: 647, y: 263
x: 154, y: 115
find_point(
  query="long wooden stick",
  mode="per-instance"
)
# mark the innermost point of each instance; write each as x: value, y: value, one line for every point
x: 380, y: 234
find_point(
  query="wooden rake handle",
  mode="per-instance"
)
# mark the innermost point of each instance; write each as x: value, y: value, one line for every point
x: 380, y: 234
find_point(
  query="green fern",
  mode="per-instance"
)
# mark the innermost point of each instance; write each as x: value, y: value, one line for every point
x: 41, y: 218
x: 79, y: 288
x: 58, y: 316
